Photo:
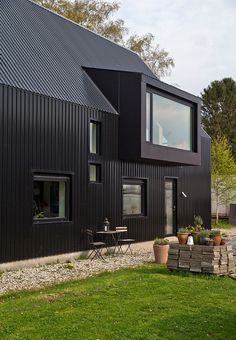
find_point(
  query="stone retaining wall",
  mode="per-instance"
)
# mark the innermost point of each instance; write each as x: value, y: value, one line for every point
x: 217, y: 260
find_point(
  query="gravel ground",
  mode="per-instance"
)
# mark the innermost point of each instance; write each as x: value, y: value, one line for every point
x: 45, y: 275
x: 41, y: 276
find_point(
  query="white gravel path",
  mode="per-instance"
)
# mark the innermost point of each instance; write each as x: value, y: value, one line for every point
x: 46, y: 275
x: 41, y: 276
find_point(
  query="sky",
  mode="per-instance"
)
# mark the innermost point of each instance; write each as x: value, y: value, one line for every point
x: 200, y: 35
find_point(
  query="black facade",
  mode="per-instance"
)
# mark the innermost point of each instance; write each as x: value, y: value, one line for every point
x: 58, y: 81
x: 42, y: 135
x: 126, y: 91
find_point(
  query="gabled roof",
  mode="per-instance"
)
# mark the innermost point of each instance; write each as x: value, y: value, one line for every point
x: 44, y: 53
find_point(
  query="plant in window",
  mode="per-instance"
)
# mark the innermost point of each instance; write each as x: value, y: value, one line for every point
x: 39, y: 215
x: 50, y: 196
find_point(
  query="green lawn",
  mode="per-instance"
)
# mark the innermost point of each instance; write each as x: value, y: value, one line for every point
x: 222, y: 224
x: 141, y: 303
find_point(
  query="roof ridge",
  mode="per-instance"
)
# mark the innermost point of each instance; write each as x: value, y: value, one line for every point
x: 76, y: 23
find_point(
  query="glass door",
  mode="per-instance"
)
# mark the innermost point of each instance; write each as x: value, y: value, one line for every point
x: 170, y: 206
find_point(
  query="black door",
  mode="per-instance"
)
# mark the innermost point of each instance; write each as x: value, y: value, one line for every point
x: 170, y: 206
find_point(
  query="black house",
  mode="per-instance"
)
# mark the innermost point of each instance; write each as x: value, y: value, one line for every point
x: 86, y: 132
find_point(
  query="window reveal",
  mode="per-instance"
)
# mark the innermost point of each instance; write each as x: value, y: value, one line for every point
x: 50, y: 198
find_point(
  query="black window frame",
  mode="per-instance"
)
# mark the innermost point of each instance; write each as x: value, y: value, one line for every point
x: 193, y: 120
x: 98, y: 137
x: 143, y: 183
x: 56, y: 178
x: 98, y: 166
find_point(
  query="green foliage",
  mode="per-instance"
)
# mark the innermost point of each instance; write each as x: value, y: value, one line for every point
x: 204, y: 233
x: 161, y: 241
x: 223, y: 172
x: 156, y: 58
x: 190, y: 229
x: 219, y: 110
x: 222, y: 224
x: 183, y: 230
x: 69, y: 265
x: 198, y: 222
x: 148, y: 302
x: 215, y: 233
x: 96, y: 15
x: 39, y: 215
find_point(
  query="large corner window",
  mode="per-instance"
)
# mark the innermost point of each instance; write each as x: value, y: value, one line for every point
x: 168, y: 122
x: 94, y: 143
x: 50, y: 198
x: 133, y: 197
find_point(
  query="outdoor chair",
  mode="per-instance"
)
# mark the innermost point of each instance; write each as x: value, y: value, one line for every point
x: 96, y: 246
x: 125, y: 242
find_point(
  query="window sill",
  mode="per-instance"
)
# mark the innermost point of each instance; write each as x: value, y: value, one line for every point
x: 52, y: 222
x: 134, y: 216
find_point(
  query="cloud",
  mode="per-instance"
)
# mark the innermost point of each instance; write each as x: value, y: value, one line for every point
x: 199, y: 35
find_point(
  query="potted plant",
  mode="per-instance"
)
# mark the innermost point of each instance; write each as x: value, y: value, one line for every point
x: 183, y: 235
x: 198, y: 227
x: 198, y: 223
x: 223, y: 239
x: 160, y: 248
x: 216, y: 236
x: 204, y: 236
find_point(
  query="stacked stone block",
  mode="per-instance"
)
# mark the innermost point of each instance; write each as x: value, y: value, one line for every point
x: 217, y: 260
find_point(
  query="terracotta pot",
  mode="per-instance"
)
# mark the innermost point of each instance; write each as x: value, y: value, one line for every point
x: 223, y: 242
x: 217, y: 240
x: 182, y: 237
x: 161, y: 253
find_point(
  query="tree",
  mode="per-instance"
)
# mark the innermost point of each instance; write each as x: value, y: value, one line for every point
x: 156, y: 58
x: 219, y: 110
x: 223, y: 172
x: 96, y: 15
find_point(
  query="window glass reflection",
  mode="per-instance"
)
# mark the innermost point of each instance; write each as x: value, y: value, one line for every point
x: 171, y: 123
x: 132, y: 199
x: 148, y: 117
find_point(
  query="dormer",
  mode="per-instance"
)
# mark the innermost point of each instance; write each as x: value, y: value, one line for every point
x: 158, y: 122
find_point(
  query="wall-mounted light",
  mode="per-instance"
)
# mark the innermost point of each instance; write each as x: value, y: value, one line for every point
x: 183, y: 194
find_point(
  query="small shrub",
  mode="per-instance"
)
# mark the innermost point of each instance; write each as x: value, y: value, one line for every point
x: 198, y: 223
x: 204, y: 233
x: 215, y: 233
x: 161, y: 241
x: 183, y: 230
x: 190, y: 229
x: 69, y: 265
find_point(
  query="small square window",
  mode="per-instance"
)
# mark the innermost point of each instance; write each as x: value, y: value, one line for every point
x: 95, y: 173
x: 94, y: 142
x: 50, y: 198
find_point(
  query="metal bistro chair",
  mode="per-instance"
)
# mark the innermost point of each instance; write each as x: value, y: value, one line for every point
x: 96, y: 247
x: 125, y: 242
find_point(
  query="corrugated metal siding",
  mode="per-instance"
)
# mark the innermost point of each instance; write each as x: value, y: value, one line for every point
x: 44, y: 53
x: 38, y: 133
